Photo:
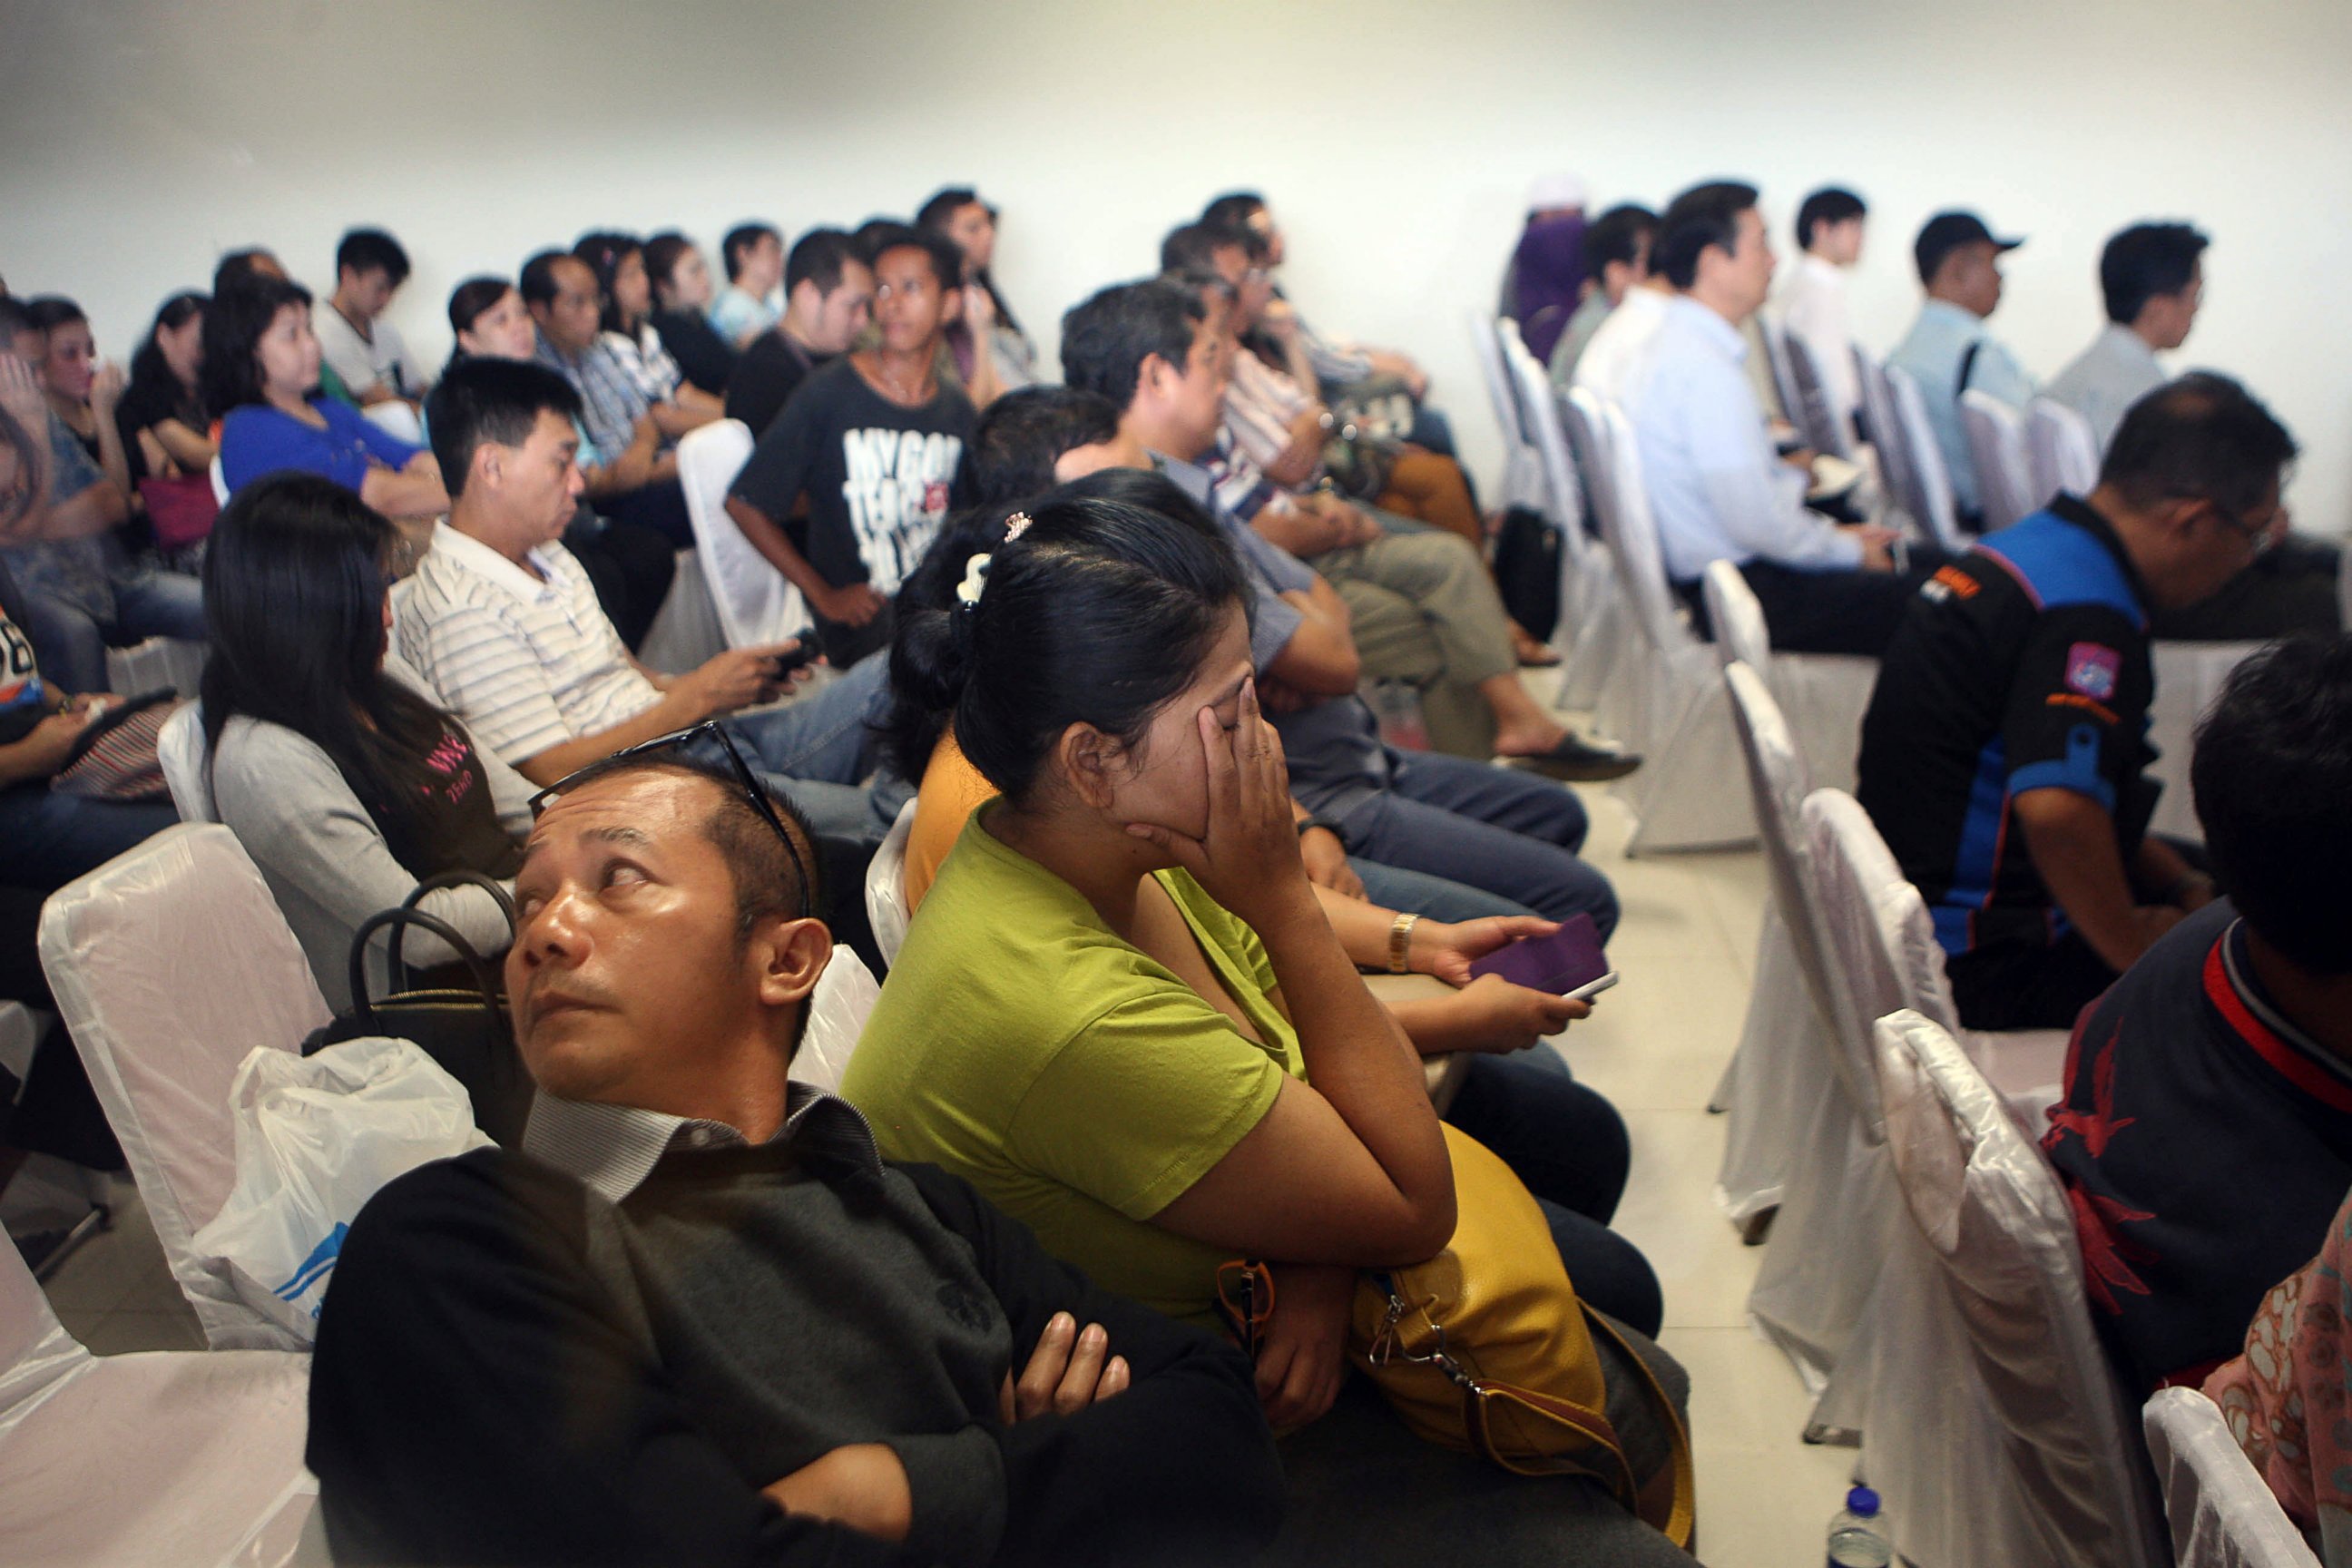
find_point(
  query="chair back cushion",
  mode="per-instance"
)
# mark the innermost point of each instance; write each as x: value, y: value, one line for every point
x: 1929, y: 496
x: 844, y: 995
x: 2220, y: 1513
x: 755, y: 604
x: 1997, y: 448
x: 169, y: 964
x: 885, y: 885
x: 181, y: 749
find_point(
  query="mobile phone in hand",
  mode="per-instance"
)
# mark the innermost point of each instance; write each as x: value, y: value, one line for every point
x: 802, y: 651
x: 1569, y: 962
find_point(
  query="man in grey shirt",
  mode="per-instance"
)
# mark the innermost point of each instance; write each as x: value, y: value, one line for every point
x: 2153, y: 281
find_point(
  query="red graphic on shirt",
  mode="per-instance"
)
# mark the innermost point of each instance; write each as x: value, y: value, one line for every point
x: 2098, y: 1124
x: 2107, y: 1257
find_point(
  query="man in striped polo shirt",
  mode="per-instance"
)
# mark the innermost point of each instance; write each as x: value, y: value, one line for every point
x: 505, y: 625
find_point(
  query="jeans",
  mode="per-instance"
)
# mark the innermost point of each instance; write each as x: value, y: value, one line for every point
x: 48, y: 839
x: 1433, y: 897
x: 630, y: 567
x: 71, y: 645
x: 1502, y: 831
x: 817, y: 750
x: 1571, y: 1148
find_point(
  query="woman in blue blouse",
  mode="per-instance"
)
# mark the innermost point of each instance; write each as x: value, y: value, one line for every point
x: 261, y: 378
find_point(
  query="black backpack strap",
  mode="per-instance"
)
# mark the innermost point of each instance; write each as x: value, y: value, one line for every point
x: 1968, y: 367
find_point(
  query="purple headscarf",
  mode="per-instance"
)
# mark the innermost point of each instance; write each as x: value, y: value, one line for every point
x: 1548, y: 279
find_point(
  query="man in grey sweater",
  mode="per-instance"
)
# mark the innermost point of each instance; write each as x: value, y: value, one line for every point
x: 695, y: 1318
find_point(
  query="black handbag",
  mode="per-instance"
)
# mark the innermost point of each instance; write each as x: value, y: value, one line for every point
x: 455, y: 1013
x: 1527, y: 570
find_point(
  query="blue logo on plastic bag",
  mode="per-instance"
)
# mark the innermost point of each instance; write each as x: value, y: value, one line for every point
x: 315, y: 1268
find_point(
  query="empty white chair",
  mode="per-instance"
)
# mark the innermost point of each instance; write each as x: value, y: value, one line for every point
x: 2220, y: 1513
x: 1815, y: 411
x: 1592, y: 629
x: 1784, y: 379
x: 1522, y: 474
x: 1995, y: 1433
x: 158, y: 1457
x: 1889, y: 452
x: 1822, y: 695
x: 1997, y: 448
x: 398, y: 419
x: 1929, y: 501
x: 1669, y: 704
x: 180, y: 748
x: 169, y: 964
x: 2061, y: 451
x: 755, y: 604
x: 1786, y: 1065
x: 885, y: 885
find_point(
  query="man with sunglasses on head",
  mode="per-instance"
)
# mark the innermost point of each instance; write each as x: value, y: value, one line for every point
x: 2004, y: 754
x: 505, y: 625
x: 695, y: 1318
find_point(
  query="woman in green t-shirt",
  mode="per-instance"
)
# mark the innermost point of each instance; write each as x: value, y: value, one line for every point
x: 1121, y: 1012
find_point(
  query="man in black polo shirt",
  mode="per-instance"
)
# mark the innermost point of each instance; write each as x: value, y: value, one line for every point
x: 2205, y: 1138
x: 695, y: 1319
x: 2004, y: 754
x: 876, y: 441
x: 828, y: 298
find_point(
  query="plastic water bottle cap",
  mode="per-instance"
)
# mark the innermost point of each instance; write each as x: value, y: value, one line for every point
x: 1862, y: 1503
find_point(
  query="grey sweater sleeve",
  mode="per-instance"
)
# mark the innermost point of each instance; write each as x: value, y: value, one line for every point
x: 323, y: 858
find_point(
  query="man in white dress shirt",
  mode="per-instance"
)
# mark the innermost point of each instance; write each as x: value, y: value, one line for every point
x: 1717, y: 490
x: 2153, y: 279
x: 1948, y: 350
x: 1814, y: 305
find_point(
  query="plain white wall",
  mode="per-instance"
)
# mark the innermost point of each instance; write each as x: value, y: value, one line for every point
x: 140, y: 137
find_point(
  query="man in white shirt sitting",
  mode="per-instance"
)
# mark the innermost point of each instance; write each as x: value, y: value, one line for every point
x: 1814, y: 305
x: 2153, y: 279
x: 1717, y: 490
x: 364, y: 350
x: 504, y: 624
x: 1948, y: 352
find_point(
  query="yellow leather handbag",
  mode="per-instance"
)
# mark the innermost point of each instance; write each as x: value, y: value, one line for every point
x: 1485, y: 1348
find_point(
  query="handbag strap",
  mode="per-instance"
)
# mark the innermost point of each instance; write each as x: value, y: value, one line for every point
x: 1682, y: 1511
x: 462, y: 878
x: 364, y: 1005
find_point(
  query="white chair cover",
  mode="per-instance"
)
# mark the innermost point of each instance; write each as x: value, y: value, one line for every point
x: 2060, y: 449
x: 686, y: 630
x: 1592, y: 633
x: 1815, y: 411
x: 1997, y: 448
x: 2188, y: 676
x: 1995, y: 1431
x: 1522, y: 473
x: 1929, y: 500
x: 1785, y: 1060
x: 220, y: 482
x: 1776, y: 360
x: 158, y: 664
x: 755, y: 604
x: 885, y: 885
x: 162, y: 1457
x: 399, y: 420
x: 844, y: 999
x: 1669, y: 704
x: 1822, y: 695
x: 180, y: 748
x: 170, y: 964
x: 2220, y: 1513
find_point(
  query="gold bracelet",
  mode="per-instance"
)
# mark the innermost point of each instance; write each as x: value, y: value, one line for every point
x: 1400, y: 937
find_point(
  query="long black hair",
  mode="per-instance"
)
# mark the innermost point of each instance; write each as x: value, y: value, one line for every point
x: 149, y: 368
x: 603, y: 250
x: 233, y: 330
x: 1100, y: 613
x: 934, y: 214
x: 467, y: 303
x: 295, y: 579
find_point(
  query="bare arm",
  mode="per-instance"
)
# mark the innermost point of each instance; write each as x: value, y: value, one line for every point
x: 1302, y: 453
x: 736, y: 678
x: 2072, y: 840
x: 674, y: 419
x: 414, y: 492
x: 631, y: 469
x: 90, y: 512
x: 113, y: 460
x: 1321, y: 657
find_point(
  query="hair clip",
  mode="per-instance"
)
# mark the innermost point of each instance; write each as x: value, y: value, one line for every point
x: 1015, y: 526
x: 975, y: 578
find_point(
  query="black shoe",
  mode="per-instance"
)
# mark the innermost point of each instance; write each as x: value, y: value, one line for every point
x: 1579, y: 761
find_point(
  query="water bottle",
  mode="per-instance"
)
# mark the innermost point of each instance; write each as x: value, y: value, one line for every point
x: 1858, y: 1533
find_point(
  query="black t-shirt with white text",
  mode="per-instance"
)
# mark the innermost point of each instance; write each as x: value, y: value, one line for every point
x: 879, y: 477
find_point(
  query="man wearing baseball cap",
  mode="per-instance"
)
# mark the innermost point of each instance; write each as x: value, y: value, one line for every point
x: 1948, y: 351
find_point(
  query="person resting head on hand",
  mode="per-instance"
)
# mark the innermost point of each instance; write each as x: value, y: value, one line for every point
x: 695, y: 1317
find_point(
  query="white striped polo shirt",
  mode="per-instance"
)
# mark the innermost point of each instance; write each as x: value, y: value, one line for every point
x: 528, y: 661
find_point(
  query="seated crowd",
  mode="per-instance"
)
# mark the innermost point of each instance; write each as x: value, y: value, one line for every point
x: 1066, y: 1268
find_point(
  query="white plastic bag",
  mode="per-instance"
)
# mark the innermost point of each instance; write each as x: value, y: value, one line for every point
x: 316, y: 1137
x: 845, y: 994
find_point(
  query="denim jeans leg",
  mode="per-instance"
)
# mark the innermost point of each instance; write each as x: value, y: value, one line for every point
x: 159, y: 605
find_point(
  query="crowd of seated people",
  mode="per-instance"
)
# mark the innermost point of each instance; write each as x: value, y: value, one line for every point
x: 1107, y: 640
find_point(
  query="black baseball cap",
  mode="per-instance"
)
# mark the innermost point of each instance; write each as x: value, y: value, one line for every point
x: 1946, y: 232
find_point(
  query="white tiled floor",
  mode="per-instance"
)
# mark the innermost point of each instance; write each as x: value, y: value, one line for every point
x: 1654, y: 1046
